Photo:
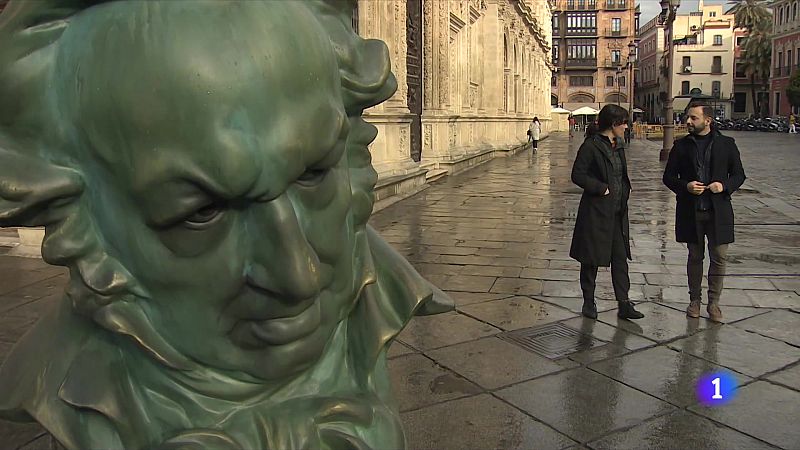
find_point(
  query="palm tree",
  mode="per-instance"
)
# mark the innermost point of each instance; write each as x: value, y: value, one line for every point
x: 751, y: 14
x: 755, y: 17
x: 756, y: 62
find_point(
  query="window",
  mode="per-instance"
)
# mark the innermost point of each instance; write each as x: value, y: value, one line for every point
x: 717, y: 39
x: 716, y: 65
x: 616, y: 25
x: 556, y: 24
x: 616, y: 56
x: 780, y: 17
x: 621, y: 81
x: 581, y: 23
x: 581, y: 49
x: 554, y: 80
x: 712, y: 14
x: 581, y: 80
x: 789, y: 60
x: 716, y: 88
x: 741, y: 41
x: 740, y: 102
x: 685, y: 88
x: 687, y: 62
x: 610, y: 81
x: 555, y: 52
x: 777, y: 103
x: 779, y: 61
x: 740, y: 72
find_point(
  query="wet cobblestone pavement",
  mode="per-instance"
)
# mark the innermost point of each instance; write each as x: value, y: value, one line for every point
x: 496, y: 238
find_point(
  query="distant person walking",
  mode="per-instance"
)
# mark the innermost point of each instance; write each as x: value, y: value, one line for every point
x: 534, y: 132
x: 703, y: 170
x: 571, y: 125
x: 601, y: 236
x: 792, y: 123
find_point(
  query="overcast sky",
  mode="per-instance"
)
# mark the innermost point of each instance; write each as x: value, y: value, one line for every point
x: 650, y: 8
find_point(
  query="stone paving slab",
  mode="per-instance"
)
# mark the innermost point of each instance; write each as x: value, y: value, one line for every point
x: 583, y: 404
x: 418, y: 381
x: 739, y: 350
x: 789, y: 377
x: 681, y: 430
x: 516, y: 312
x: 781, y: 325
x: 429, y: 332
x: 662, y: 324
x: 481, y: 422
x: 502, y: 363
x: 663, y: 373
x: 764, y: 410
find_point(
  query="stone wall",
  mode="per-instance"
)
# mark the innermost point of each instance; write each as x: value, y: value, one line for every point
x: 485, y: 75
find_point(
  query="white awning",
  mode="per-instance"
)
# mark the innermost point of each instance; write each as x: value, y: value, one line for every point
x: 585, y: 111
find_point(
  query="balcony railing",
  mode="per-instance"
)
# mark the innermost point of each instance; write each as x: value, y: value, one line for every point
x: 611, y: 62
x: 585, y: 62
x: 619, y: 32
x: 784, y: 71
x: 577, y: 5
x: 716, y: 69
x: 616, y: 4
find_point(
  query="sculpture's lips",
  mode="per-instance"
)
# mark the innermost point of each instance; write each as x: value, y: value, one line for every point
x: 284, y: 330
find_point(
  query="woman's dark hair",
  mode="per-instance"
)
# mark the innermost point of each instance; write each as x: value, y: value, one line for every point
x: 591, y: 129
x: 611, y: 116
x: 535, y: 119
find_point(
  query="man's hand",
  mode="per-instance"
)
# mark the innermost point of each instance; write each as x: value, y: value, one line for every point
x: 716, y: 187
x: 606, y: 192
x: 695, y: 187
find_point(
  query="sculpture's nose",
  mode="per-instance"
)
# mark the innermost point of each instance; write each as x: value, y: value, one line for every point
x: 282, y: 259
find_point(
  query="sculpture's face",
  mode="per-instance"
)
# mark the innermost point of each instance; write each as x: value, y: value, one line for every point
x: 219, y: 179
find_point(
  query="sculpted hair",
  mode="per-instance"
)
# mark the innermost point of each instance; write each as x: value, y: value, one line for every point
x: 43, y: 182
x: 611, y: 116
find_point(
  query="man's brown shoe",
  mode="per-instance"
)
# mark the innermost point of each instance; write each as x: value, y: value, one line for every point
x: 693, y: 310
x: 714, y: 314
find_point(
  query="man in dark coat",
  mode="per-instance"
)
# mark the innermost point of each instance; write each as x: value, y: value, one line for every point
x: 601, y: 236
x: 703, y: 170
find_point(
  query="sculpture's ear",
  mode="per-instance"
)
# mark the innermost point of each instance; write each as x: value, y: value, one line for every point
x: 33, y: 191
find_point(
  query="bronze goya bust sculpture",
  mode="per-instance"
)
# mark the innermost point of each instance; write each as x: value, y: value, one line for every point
x: 202, y: 169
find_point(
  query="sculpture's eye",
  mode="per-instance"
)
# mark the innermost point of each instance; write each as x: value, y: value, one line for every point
x: 204, y: 216
x: 312, y: 177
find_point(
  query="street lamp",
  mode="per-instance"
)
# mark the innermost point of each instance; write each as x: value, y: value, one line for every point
x: 668, y: 10
x: 631, y: 65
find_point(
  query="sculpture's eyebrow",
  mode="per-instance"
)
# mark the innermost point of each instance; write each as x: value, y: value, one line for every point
x: 169, y: 202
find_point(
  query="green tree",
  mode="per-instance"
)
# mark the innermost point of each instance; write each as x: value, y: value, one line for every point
x: 793, y: 91
x: 755, y: 17
x: 751, y: 14
x: 756, y: 60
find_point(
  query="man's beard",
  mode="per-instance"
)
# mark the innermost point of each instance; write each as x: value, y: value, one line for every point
x: 696, y: 129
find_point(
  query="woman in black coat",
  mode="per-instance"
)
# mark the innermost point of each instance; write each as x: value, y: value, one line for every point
x: 601, y: 236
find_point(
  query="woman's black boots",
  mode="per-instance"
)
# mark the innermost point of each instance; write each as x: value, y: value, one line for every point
x: 589, y: 309
x: 625, y: 310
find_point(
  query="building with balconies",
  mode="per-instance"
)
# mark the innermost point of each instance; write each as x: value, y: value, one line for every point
x: 591, y: 47
x: 650, y: 61
x: 785, y: 54
x: 703, y: 60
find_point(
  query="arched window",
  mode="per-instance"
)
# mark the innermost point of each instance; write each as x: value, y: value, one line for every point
x: 794, y: 11
x: 780, y: 16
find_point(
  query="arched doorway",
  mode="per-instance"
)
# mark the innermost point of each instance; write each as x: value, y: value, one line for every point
x: 553, y: 100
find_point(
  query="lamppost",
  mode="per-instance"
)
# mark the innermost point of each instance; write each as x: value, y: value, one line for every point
x: 668, y: 10
x: 631, y: 68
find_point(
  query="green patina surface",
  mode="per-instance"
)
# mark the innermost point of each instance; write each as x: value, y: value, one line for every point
x: 202, y: 169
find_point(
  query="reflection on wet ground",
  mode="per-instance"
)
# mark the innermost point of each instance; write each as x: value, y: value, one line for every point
x: 497, y: 239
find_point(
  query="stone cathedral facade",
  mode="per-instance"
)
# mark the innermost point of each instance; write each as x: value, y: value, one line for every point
x: 471, y: 74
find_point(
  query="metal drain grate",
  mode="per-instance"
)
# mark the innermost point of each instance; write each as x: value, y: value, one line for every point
x: 553, y: 340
